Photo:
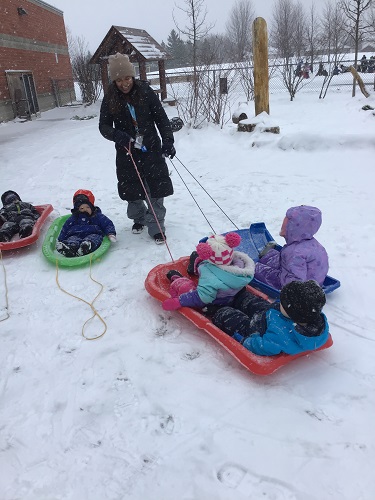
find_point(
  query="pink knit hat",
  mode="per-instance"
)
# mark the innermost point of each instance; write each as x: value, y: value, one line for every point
x: 218, y: 249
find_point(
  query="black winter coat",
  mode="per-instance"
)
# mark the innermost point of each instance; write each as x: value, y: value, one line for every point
x: 17, y: 211
x: 115, y: 115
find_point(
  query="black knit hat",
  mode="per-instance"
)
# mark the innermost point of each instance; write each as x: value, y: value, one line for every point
x: 9, y: 194
x: 303, y: 300
x: 82, y: 199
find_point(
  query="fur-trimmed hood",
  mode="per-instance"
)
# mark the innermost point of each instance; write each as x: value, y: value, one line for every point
x: 242, y: 265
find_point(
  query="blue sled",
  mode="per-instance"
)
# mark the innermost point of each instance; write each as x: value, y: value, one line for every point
x: 253, y: 240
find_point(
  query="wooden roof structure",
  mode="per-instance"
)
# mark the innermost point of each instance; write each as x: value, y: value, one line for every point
x: 138, y: 45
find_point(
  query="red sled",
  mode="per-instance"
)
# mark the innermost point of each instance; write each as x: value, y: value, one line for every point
x: 157, y: 285
x: 16, y: 242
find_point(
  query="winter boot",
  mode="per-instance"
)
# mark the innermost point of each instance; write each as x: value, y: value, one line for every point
x: 159, y: 239
x: 84, y: 248
x: 137, y: 228
x: 172, y: 273
x: 4, y: 237
x: 26, y: 230
x: 190, y: 268
x: 65, y: 249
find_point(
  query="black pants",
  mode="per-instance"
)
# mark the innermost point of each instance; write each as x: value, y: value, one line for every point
x: 245, y: 316
x: 24, y: 227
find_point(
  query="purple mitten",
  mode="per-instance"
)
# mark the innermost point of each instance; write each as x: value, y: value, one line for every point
x: 171, y: 304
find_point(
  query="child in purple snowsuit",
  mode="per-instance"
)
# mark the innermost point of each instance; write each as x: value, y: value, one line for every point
x: 302, y: 258
x: 83, y: 232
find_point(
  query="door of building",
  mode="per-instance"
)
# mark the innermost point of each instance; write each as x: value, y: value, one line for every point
x: 23, y: 94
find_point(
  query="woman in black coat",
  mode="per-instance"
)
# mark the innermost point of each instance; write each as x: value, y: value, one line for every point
x: 130, y: 115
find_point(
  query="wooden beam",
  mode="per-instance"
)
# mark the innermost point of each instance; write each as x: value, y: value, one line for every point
x: 104, y: 72
x: 162, y: 79
x: 354, y: 72
x: 260, y: 55
x: 142, y: 70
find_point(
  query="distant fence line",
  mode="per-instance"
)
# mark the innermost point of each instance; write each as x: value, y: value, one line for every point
x: 239, y: 78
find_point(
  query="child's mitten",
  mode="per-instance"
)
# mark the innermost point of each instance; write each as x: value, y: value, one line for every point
x: 171, y: 304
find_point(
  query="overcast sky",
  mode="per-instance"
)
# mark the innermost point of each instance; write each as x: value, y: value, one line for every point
x: 91, y: 19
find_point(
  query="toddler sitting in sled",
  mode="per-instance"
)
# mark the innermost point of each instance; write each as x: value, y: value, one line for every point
x: 222, y: 273
x: 83, y: 232
x: 294, y: 325
x: 16, y: 217
x: 302, y: 258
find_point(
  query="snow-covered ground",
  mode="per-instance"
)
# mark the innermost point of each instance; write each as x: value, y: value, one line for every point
x: 155, y: 409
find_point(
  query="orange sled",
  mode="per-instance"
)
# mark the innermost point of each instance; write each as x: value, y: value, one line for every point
x: 44, y: 211
x: 157, y: 285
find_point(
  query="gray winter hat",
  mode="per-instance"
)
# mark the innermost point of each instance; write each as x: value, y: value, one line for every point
x: 120, y: 66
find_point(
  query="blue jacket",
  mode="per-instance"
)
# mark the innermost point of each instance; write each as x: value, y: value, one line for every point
x: 283, y: 335
x: 219, y: 284
x: 82, y: 224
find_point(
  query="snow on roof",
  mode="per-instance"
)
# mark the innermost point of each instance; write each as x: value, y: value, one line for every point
x: 143, y: 43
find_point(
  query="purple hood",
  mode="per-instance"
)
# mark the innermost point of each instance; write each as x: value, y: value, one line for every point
x: 303, y: 223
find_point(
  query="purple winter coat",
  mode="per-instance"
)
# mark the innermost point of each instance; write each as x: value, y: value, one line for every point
x: 302, y: 258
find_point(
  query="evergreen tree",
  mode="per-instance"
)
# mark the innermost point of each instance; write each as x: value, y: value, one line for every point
x: 177, y: 49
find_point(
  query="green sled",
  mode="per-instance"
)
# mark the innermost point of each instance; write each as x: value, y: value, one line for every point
x: 51, y: 254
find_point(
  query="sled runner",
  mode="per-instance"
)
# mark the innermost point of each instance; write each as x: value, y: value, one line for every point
x: 17, y: 242
x: 51, y: 254
x: 157, y: 285
x: 253, y: 240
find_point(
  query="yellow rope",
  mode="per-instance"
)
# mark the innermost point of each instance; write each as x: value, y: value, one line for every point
x: 6, y: 288
x: 91, y: 304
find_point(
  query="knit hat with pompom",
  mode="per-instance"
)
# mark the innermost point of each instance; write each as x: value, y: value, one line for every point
x: 218, y: 249
x: 120, y: 66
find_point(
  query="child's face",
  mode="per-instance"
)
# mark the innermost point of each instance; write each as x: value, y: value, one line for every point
x: 283, y: 227
x: 84, y: 208
x: 283, y: 312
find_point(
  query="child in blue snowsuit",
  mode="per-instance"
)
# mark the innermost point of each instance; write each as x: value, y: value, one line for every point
x: 294, y: 325
x: 83, y: 232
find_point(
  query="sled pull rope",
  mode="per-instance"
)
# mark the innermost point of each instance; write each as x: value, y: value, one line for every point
x: 128, y: 150
x: 91, y: 304
x: 207, y: 193
x: 6, y: 289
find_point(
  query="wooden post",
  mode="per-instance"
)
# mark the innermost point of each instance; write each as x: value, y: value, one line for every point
x: 142, y: 70
x: 354, y: 72
x: 260, y: 55
x: 162, y: 79
x: 104, y: 72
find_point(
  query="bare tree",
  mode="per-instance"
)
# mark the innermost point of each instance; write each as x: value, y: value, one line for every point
x: 299, y: 33
x: 334, y: 37
x: 239, y: 29
x: 87, y: 75
x: 288, y: 36
x: 357, y: 24
x: 312, y: 33
x: 288, y: 29
x: 195, y: 31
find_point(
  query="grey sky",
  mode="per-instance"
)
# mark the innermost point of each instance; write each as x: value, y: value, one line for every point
x: 91, y: 19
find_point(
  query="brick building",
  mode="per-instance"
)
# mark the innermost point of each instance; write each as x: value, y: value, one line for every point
x: 35, y: 69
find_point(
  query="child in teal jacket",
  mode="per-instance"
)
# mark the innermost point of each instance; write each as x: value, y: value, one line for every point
x: 222, y: 273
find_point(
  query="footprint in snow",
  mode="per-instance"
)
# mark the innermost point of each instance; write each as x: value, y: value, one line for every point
x: 252, y: 485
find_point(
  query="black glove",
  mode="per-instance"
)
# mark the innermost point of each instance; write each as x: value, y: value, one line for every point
x: 168, y: 150
x: 122, y: 138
